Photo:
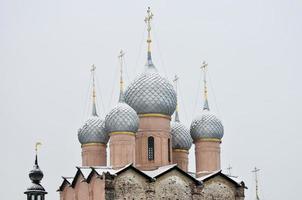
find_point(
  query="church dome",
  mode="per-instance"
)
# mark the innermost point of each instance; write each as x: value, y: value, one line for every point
x: 181, y: 138
x: 151, y: 93
x: 93, y: 131
x: 206, y: 126
x: 36, y: 174
x: 122, y: 118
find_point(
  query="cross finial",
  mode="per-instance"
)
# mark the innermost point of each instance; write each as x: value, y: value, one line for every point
x: 94, y: 112
x: 121, y: 57
x: 93, y: 68
x: 203, y: 67
x: 148, y: 19
x: 229, y: 170
x: 256, y: 170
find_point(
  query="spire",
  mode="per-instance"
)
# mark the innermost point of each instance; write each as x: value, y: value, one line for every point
x: 121, y: 56
x: 205, y: 90
x: 36, y: 149
x: 94, y: 112
x: 148, y: 19
x: 35, y: 175
x: 175, y: 80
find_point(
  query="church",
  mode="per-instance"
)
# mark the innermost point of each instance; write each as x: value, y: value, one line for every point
x: 148, y: 147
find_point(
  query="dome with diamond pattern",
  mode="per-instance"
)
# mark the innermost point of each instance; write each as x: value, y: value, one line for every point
x: 181, y: 138
x: 206, y: 126
x: 122, y: 118
x: 151, y: 93
x: 93, y: 130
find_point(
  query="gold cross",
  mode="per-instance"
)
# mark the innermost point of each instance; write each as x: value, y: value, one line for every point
x: 148, y: 19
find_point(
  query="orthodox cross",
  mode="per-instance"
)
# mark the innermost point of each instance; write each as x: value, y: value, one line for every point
x: 204, y: 66
x: 256, y: 181
x: 148, y: 19
x: 93, y: 67
x: 121, y: 56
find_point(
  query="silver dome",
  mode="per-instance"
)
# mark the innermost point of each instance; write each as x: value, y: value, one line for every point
x: 181, y: 138
x: 93, y: 131
x: 151, y: 93
x: 122, y: 118
x: 206, y: 126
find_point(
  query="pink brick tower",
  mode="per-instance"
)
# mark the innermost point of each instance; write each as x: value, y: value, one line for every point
x: 207, y: 132
x: 154, y: 99
x: 121, y: 123
x: 92, y: 135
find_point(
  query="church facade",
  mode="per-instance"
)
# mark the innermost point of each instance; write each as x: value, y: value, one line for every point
x: 148, y: 149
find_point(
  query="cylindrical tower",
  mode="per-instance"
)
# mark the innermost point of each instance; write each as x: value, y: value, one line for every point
x: 181, y: 140
x: 92, y: 135
x: 154, y: 99
x: 121, y: 123
x: 207, y: 132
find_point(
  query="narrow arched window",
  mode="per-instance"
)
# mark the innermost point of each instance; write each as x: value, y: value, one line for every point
x: 169, y: 150
x: 150, y: 148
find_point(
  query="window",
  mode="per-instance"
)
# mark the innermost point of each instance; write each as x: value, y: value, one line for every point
x: 169, y: 151
x: 150, y: 148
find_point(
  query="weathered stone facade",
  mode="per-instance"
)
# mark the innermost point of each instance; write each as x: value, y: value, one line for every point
x: 132, y: 184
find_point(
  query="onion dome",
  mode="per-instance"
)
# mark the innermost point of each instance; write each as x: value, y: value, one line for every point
x: 181, y: 138
x: 93, y: 130
x: 35, y: 175
x: 122, y: 118
x: 150, y: 92
x: 206, y: 125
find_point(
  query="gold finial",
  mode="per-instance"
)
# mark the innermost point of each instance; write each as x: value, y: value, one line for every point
x: 148, y: 19
x: 204, y: 66
x: 37, y: 145
x: 121, y: 56
x: 93, y: 68
x: 175, y: 80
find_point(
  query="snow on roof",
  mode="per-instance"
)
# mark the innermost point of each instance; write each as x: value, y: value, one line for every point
x: 232, y: 178
x: 209, y: 175
x: 85, y: 171
x: 158, y: 171
x: 152, y: 174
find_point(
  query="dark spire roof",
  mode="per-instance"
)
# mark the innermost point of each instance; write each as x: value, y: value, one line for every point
x: 35, y: 175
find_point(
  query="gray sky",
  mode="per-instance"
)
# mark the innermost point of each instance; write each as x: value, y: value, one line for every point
x: 254, y: 53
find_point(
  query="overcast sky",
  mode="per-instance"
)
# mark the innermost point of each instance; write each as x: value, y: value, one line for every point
x: 254, y: 53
